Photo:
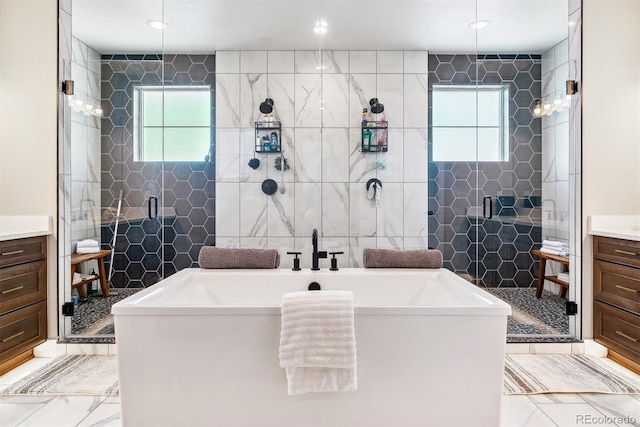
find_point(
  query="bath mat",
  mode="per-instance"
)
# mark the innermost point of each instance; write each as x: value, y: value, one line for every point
x: 71, y: 376
x: 566, y: 373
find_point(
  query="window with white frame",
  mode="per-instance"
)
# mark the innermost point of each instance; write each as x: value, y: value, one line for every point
x: 470, y: 123
x: 182, y: 133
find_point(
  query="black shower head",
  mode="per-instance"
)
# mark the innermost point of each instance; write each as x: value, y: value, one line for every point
x: 376, y: 107
x: 266, y: 107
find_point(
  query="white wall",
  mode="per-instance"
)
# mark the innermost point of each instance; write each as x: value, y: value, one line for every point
x: 611, y: 122
x: 28, y: 123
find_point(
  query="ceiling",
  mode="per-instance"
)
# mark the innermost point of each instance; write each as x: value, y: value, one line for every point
x: 204, y: 26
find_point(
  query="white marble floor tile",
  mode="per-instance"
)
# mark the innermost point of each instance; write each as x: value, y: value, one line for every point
x: 63, y: 411
x: 12, y: 414
x: 520, y: 411
x: 26, y: 398
x: 112, y: 399
x: 556, y: 398
x: 105, y: 415
x: 573, y: 414
x: 624, y: 408
x: 24, y: 370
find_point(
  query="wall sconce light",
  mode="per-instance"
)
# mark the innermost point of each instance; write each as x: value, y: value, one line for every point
x: 537, y: 109
x: 67, y: 87
x: 376, y: 107
x: 572, y: 87
x: 266, y: 107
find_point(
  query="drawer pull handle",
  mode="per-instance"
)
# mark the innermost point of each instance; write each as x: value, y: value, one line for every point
x: 19, y: 252
x: 624, y: 288
x: 627, y: 336
x: 17, y: 288
x: 13, y: 336
x: 620, y: 251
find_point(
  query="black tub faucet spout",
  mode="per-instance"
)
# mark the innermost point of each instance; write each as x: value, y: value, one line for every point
x: 316, y: 254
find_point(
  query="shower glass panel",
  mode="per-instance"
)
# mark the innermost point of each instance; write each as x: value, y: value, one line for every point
x: 116, y: 198
x: 456, y: 120
x: 186, y: 125
x: 529, y: 187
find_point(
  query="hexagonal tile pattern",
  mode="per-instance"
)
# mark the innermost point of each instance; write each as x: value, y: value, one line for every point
x: 188, y: 197
x: 502, y: 255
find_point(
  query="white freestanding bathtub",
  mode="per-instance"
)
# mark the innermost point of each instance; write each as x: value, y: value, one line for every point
x: 201, y: 349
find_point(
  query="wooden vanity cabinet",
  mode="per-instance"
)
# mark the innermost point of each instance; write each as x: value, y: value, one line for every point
x: 23, y: 299
x: 616, y: 305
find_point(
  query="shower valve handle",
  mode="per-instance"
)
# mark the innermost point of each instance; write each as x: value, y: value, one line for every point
x: 296, y: 260
x: 334, y: 260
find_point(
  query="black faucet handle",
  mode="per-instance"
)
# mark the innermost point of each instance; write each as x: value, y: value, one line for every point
x: 334, y: 260
x: 322, y: 254
x: 296, y: 260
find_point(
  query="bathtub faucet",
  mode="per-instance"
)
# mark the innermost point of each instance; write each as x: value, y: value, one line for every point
x: 316, y: 255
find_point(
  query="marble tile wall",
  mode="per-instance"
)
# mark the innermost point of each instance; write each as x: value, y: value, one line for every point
x: 319, y: 99
x: 495, y: 252
x: 85, y: 144
x: 148, y: 249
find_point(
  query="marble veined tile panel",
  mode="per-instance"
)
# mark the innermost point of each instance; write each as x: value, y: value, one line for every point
x: 280, y: 61
x: 307, y: 100
x: 335, y: 209
x: 253, y: 91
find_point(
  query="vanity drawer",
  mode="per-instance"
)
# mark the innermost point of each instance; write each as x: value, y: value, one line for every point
x: 22, y: 330
x: 13, y: 252
x: 22, y: 285
x: 617, y: 285
x: 617, y: 330
x: 617, y: 250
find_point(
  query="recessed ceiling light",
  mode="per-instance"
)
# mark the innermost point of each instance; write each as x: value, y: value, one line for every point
x: 478, y: 25
x: 158, y: 25
x: 320, y: 27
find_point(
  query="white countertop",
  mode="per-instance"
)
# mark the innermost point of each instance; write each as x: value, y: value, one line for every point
x: 618, y: 226
x: 19, y: 227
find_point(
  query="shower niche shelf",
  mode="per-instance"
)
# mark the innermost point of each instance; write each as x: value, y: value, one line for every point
x: 375, y: 134
x: 268, y: 137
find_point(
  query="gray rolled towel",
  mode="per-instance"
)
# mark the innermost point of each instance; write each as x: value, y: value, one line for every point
x: 389, y: 258
x: 212, y: 257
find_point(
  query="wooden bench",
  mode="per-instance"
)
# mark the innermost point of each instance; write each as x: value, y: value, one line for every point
x: 541, y: 277
x: 77, y: 259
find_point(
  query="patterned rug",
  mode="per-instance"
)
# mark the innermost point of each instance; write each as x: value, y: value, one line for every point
x: 564, y: 373
x: 524, y: 374
x: 71, y: 375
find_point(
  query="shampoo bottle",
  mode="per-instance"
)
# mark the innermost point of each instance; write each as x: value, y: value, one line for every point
x: 366, y: 140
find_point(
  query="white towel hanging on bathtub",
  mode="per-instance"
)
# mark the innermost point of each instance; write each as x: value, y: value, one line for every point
x: 317, y: 341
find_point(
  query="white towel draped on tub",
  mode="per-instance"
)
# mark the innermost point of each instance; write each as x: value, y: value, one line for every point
x: 318, y: 341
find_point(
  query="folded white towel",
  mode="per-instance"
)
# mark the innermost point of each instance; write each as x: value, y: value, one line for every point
x: 564, y: 277
x: 318, y: 342
x: 77, y: 278
x: 88, y: 250
x: 554, y: 244
x: 553, y: 251
x: 88, y: 243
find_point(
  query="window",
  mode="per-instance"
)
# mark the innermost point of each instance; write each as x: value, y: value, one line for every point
x: 464, y: 115
x: 185, y: 130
